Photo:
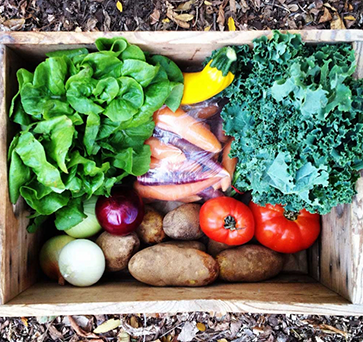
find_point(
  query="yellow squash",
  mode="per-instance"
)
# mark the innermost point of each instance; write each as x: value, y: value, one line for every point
x: 217, y: 75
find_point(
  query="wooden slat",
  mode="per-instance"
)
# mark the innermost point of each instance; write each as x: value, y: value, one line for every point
x: 19, y: 250
x: 130, y: 297
x: 341, y: 240
x: 314, y: 260
x: 342, y: 237
x: 188, y: 47
x: 358, y: 48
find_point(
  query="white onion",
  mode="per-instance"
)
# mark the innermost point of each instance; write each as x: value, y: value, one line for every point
x: 82, y: 262
x: 49, y: 255
x: 89, y: 226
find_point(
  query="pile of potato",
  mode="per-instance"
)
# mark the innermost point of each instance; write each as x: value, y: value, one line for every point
x: 175, y: 252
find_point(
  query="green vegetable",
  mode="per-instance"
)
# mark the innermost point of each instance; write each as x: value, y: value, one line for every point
x: 84, y: 118
x: 296, y: 114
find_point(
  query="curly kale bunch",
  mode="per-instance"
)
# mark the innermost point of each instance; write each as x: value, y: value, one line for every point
x: 296, y: 114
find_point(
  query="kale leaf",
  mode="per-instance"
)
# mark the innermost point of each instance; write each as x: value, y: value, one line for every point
x: 296, y: 114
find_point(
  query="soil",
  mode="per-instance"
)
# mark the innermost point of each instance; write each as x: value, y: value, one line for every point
x: 146, y: 15
x: 197, y: 326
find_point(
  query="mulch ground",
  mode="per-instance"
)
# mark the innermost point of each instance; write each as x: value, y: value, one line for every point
x: 147, y: 15
x: 207, y: 15
x: 184, y: 327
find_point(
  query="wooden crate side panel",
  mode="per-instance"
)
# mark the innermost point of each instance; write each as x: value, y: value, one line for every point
x: 182, y: 47
x: 19, y: 264
x: 342, y: 237
x: 313, y: 256
x: 48, y: 299
x: 18, y: 259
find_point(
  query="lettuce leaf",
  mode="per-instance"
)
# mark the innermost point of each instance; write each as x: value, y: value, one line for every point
x: 84, y: 118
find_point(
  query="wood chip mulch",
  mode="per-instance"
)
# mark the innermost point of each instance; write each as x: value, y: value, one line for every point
x: 151, y: 15
x: 184, y: 327
x: 202, y: 15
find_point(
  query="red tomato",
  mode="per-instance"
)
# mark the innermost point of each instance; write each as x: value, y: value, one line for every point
x: 284, y: 231
x: 227, y: 220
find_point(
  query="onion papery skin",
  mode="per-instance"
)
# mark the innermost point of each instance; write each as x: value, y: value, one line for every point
x: 49, y: 256
x: 90, y: 225
x: 82, y: 263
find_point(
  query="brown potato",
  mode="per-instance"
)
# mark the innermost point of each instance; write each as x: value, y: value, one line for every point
x: 187, y: 244
x: 118, y: 249
x: 182, y: 223
x: 249, y: 263
x: 151, y: 230
x: 214, y: 247
x: 170, y: 265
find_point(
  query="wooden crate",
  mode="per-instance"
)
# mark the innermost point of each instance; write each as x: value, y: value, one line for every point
x: 334, y: 284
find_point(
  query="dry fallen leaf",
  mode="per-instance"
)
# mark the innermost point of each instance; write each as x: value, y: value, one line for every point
x: 331, y: 7
x: 257, y: 330
x: 184, y: 17
x: 168, y: 338
x: 222, y: 340
x: 54, y: 333
x: 328, y: 329
x: 188, y: 332
x: 166, y: 20
x: 201, y: 326
x: 244, y: 6
x: 107, y: 326
x: 231, y: 24
x: 221, y: 19
x: 293, y: 7
x: 14, y: 24
x: 326, y: 16
x: 207, y: 28
x: 154, y: 16
x: 24, y: 321
x: 186, y: 6
x: 337, y: 23
x: 119, y: 6
x: 134, y: 322
x: 123, y: 336
x: 349, y: 17
x: 82, y: 321
x: 332, y: 330
x: 234, y: 328
x: 314, y: 11
x: 207, y: 3
x: 232, y: 5
x: 172, y: 16
x: 79, y: 330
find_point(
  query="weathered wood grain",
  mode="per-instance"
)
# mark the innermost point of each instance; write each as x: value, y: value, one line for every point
x: 358, y: 48
x: 341, y: 241
x: 313, y: 257
x: 46, y: 299
x: 187, y: 47
x: 342, y: 237
x: 19, y: 250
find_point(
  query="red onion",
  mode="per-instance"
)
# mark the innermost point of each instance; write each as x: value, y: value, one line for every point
x: 121, y: 213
